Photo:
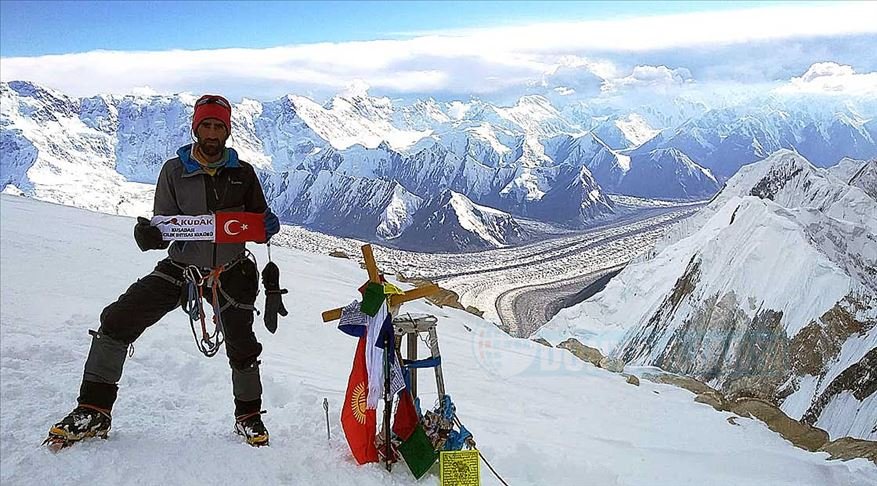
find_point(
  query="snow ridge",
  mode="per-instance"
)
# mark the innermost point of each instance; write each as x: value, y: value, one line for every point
x: 782, y: 253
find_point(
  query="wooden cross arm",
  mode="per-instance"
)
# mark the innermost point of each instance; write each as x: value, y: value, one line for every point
x: 371, y: 266
x: 332, y: 315
x: 395, y: 300
x: 413, y: 294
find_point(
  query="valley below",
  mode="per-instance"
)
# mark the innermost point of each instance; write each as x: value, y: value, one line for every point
x: 519, y: 288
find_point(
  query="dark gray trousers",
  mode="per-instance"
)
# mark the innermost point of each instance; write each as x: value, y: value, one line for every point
x: 145, y: 303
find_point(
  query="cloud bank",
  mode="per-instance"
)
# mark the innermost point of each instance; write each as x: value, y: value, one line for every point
x: 589, y: 58
x: 832, y: 79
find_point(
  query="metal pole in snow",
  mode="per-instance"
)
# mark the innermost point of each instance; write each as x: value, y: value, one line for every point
x: 388, y: 404
x: 326, y: 408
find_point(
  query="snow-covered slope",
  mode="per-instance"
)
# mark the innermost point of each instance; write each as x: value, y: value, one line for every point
x: 451, y: 220
x: 866, y: 179
x: 542, y: 180
x: 573, y: 187
x: 426, y: 169
x: 353, y: 118
x: 341, y: 204
x: 636, y: 129
x: 539, y: 415
x: 103, y: 153
x: 790, y: 180
x: 644, y: 172
x: 724, y: 140
x: 532, y: 114
x: 398, y: 213
x: 820, y: 139
x: 770, y: 291
x: 857, y: 173
x: 846, y: 168
x: 662, y: 174
x: 489, y: 145
x: 625, y: 132
x: 49, y: 153
x: 577, y: 150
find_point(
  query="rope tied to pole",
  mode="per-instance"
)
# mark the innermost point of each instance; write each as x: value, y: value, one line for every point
x: 492, y: 469
x: 470, y: 441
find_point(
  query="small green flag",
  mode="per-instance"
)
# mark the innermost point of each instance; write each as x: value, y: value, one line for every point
x: 418, y: 452
x: 372, y: 298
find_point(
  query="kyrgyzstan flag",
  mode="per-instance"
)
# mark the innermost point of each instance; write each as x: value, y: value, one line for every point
x: 359, y: 423
x: 239, y: 227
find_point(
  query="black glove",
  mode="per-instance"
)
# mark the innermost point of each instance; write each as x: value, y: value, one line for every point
x: 273, y: 293
x: 148, y: 237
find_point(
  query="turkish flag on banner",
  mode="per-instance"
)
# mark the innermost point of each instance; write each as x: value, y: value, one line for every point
x: 239, y: 227
x: 359, y: 423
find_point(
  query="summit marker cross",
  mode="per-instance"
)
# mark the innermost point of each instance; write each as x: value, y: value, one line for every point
x: 393, y: 302
x: 374, y: 275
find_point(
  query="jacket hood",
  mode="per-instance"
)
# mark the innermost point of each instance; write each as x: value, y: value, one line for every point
x: 191, y: 165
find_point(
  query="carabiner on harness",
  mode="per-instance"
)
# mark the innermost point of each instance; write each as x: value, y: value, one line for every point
x: 195, y: 281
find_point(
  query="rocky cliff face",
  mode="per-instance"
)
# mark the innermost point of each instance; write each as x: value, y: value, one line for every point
x: 770, y: 292
x: 865, y: 178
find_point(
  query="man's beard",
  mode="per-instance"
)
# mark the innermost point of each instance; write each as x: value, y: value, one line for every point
x: 211, y: 147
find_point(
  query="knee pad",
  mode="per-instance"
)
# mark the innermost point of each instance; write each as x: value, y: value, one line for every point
x: 105, y: 359
x: 246, y: 381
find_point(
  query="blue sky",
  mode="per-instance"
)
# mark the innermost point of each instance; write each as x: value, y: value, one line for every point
x: 448, y: 50
x: 31, y: 28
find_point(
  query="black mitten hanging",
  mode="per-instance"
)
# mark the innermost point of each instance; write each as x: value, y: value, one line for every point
x: 273, y: 293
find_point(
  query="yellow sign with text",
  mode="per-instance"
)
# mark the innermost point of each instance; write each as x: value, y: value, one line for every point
x: 460, y: 468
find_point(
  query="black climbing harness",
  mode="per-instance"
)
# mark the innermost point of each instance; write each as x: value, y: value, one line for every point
x: 195, y: 281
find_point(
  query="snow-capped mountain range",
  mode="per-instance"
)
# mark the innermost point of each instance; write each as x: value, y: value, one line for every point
x: 725, y: 140
x: 769, y: 291
x: 366, y: 166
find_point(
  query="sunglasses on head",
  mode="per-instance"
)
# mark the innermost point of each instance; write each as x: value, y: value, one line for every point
x: 213, y: 99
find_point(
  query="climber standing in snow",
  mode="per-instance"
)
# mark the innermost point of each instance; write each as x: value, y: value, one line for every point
x: 206, y: 177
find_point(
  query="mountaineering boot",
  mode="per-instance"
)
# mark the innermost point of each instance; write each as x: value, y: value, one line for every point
x: 250, y: 426
x: 83, y: 422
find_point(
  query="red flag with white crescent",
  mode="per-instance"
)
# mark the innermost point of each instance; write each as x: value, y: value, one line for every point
x: 359, y: 423
x: 239, y: 227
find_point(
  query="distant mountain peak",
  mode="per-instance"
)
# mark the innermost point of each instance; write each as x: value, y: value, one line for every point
x: 356, y: 89
x: 452, y: 220
x: 535, y: 100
